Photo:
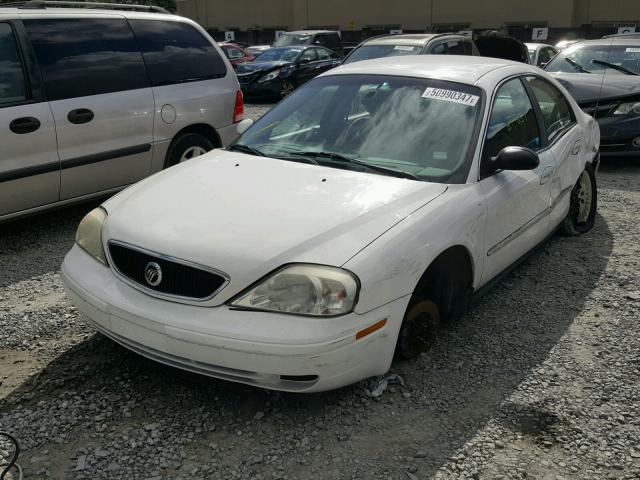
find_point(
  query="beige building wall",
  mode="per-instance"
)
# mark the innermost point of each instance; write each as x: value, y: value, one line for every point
x: 406, y: 14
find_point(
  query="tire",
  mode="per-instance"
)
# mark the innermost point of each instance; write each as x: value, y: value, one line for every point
x: 287, y: 88
x: 582, y: 206
x: 185, y: 147
x: 418, y: 330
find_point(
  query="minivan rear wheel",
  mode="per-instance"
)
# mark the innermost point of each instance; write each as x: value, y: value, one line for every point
x: 187, y: 146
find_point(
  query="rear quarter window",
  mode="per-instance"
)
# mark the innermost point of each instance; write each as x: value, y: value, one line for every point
x: 176, y: 52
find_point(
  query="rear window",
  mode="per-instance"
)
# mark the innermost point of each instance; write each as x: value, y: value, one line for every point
x: 75, y: 62
x: 368, y: 52
x: 176, y: 52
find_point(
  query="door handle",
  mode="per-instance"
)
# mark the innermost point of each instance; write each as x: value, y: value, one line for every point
x: 546, y: 174
x: 80, y: 116
x: 24, y: 125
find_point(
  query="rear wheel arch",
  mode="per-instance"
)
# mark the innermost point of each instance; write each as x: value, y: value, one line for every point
x: 204, y: 129
x: 197, y: 134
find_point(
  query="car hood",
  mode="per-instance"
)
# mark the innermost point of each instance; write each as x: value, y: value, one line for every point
x: 588, y: 87
x: 252, y: 67
x: 247, y: 215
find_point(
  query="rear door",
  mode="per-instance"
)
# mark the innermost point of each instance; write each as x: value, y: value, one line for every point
x: 98, y: 89
x: 29, y: 165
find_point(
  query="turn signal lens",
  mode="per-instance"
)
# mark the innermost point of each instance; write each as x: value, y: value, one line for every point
x: 238, y: 110
x: 371, y: 328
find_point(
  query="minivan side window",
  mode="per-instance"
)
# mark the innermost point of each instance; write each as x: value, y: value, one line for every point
x: 512, y: 123
x: 557, y: 114
x: 454, y: 47
x: 12, y: 79
x: 75, y: 61
x: 176, y: 52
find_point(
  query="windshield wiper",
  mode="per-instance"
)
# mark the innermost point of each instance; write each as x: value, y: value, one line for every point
x: 238, y: 147
x: 577, y: 65
x: 614, y: 66
x: 344, y: 159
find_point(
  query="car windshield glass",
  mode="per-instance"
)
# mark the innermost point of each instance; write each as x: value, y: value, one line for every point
x: 368, y: 52
x: 280, y: 54
x: 397, y: 123
x: 293, y: 39
x: 597, y: 59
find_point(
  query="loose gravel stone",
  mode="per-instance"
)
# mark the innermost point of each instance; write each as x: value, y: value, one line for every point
x: 539, y: 380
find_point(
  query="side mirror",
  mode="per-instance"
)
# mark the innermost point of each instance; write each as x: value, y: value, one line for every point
x: 302, y: 61
x: 244, y: 125
x: 515, y: 158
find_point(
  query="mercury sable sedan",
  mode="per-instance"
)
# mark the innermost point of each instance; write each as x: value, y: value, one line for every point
x: 343, y: 225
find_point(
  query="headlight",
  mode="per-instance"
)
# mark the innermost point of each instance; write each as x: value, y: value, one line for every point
x: 628, y: 108
x: 314, y: 290
x: 89, y: 234
x: 270, y: 76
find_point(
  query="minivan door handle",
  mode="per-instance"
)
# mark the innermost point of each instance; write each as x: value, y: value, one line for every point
x: 24, y: 125
x: 80, y: 116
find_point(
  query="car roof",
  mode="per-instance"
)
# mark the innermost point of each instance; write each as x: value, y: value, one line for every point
x: 310, y: 32
x: 418, y: 39
x: 617, y: 40
x: 533, y: 45
x: 454, y: 68
x: 14, y: 12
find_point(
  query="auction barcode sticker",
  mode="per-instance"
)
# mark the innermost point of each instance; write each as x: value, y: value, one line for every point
x: 451, y: 96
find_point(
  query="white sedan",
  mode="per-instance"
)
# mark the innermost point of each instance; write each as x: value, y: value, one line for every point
x: 343, y: 225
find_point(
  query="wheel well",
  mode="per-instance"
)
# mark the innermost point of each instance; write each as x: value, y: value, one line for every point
x: 448, y: 281
x: 207, y: 131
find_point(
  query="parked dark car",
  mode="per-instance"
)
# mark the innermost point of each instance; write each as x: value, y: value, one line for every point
x: 326, y: 38
x: 236, y: 54
x: 604, y: 78
x: 279, y: 71
x: 412, y: 44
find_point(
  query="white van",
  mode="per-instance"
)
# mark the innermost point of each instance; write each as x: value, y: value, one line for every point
x: 94, y: 99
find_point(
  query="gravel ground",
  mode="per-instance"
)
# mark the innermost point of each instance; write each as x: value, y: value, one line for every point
x: 541, y: 379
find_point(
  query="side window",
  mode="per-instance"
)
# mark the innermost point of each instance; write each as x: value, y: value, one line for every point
x: 309, y: 55
x: 75, y: 62
x: 438, y: 49
x: 176, y: 52
x: 455, y: 48
x: 512, y: 122
x: 323, y: 54
x: 557, y: 114
x: 544, y: 56
x: 233, y: 53
x: 12, y: 79
x: 468, y: 48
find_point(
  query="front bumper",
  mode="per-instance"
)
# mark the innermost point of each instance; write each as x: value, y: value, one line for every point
x: 617, y: 135
x: 269, y: 350
x: 270, y: 89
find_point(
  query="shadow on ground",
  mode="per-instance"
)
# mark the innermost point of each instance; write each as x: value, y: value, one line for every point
x: 455, y: 388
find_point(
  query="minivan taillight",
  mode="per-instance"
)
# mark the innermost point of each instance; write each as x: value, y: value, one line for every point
x: 238, y: 110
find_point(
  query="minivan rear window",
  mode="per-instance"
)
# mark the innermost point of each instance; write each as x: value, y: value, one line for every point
x: 176, y: 52
x: 86, y: 56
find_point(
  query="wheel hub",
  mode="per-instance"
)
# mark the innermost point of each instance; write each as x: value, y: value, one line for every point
x: 192, y: 152
x: 585, y: 195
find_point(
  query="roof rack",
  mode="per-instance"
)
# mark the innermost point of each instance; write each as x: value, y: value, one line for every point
x: 37, y: 4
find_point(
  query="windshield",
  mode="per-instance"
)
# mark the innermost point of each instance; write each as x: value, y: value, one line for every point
x: 419, y: 127
x: 368, y: 52
x: 287, y: 39
x: 280, y: 55
x: 597, y: 59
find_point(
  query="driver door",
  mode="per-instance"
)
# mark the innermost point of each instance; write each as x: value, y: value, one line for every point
x: 517, y: 201
x: 307, y: 64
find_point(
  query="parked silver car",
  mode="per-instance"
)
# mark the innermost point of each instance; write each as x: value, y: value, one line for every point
x: 92, y: 100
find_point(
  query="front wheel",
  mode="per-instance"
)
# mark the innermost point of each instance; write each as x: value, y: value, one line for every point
x: 418, y: 330
x: 287, y: 88
x: 583, y: 204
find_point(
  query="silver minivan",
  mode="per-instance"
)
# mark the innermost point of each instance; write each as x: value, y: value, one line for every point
x: 93, y: 100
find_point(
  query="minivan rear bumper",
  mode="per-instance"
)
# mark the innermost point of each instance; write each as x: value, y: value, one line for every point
x: 228, y: 134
